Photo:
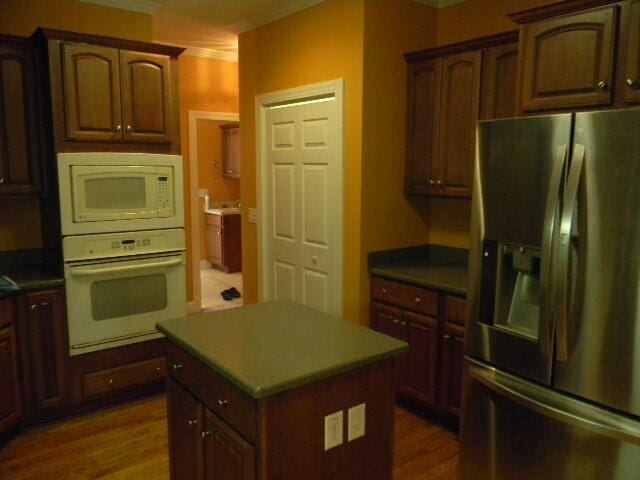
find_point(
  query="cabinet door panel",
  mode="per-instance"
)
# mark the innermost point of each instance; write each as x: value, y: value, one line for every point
x: 451, y: 360
x: 386, y: 320
x: 214, y: 244
x: 49, y: 347
x: 568, y: 61
x: 227, y: 456
x: 145, y: 97
x: 10, y: 399
x: 230, y: 151
x: 185, y: 417
x: 19, y: 155
x: 421, y: 370
x: 423, y: 101
x: 459, y: 109
x: 91, y: 81
x: 632, y: 79
x: 499, y: 80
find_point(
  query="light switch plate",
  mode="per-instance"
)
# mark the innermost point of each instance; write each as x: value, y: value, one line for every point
x: 356, y: 420
x: 333, y: 430
x: 253, y: 215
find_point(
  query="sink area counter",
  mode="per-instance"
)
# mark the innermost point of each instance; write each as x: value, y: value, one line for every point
x: 276, y: 346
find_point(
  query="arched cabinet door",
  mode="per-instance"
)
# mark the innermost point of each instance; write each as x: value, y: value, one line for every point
x: 554, y: 75
x: 145, y: 80
x: 91, y: 79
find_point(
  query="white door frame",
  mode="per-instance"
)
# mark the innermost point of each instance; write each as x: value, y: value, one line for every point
x: 195, y: 305
x: 333, y: 88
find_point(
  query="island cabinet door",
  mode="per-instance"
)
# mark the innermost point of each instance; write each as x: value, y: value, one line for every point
x: 227, y: 455
x: 185, y: 418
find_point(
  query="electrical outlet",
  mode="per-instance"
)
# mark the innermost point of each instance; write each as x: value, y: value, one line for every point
x: 253, y: 215
x: 355, y: 422
x: 333, y: 430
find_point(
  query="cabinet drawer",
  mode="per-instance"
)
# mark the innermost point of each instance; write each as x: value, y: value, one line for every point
x: 405, y: 296
x: 214, y: 219
x: 455, y: 310
x: 217, y: 393
x: 113, y: 379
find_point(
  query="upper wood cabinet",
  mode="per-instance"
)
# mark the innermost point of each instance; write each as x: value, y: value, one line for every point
x: 19, y: 147
x: 110, y: 95
x: 444, y: 91
x: 568, y: 61
x: 499, y: 81
x: 230, y: 150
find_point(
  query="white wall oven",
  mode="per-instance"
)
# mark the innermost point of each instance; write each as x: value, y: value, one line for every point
x: 117, y: 192
x: 119, y: 285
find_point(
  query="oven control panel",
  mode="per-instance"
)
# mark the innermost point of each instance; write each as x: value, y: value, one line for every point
x: 84, y: 247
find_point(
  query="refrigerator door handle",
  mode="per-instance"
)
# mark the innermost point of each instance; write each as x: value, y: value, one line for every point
x: 545, y: 333
x: 564, y: 250
x: 555, y: 405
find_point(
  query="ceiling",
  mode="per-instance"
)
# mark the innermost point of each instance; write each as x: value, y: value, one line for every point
x: 210, y: 27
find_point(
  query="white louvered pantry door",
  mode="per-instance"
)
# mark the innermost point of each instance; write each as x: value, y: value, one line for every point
x: 302, y: 205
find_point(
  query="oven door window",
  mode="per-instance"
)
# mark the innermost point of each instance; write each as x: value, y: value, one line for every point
x: 120, y: 297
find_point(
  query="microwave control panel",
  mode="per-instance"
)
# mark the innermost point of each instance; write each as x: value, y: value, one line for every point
x: 163, y: 192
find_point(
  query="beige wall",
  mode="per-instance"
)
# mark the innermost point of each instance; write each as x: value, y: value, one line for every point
x: 322, y: 43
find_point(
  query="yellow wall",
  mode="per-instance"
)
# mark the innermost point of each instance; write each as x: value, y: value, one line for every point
x: 210, y: 165
x: 450, y: 219
x: 205, y: 85
x: 324, y: 42
x: 20, y: 217
x: 389, y: 218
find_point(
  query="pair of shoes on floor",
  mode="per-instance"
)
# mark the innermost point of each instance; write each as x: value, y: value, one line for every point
x: 230, y: 293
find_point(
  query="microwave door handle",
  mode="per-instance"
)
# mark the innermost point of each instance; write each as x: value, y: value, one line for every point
x: 548, y: 251
x: 564, y: 252
x: 86, y: 272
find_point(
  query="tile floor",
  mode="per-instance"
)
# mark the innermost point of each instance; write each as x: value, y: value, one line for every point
x: 213, y: 282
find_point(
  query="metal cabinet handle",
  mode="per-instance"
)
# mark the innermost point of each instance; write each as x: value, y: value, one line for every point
x: 403, y: 323
x: 192, y: 423
x: 633, y: 84
x: 1, y: 180
x: 111, y: 381
x: 34, y: 307
x: 396, y: 321
x: 158, y: 370
x: 439, y: 183
x: 44, y: 303
x: 417, y: 300
x: 384, y: 290
x: 432, y: 182
x: 602, y: 85
x: 177, y: 366
x: 118, y: 128
x: 223, y: 402
x: 206, y: 433
x: 129, y: 128
x: 446, y: 336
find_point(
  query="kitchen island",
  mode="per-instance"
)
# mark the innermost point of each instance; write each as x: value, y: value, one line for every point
x: 279, y: 391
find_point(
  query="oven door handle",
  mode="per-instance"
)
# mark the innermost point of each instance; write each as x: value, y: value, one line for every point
x: 86, y: 272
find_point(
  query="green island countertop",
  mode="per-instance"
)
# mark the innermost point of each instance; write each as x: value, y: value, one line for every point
x: 275, y: 346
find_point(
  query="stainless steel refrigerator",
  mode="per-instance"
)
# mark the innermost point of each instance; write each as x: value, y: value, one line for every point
x: 552, y: 354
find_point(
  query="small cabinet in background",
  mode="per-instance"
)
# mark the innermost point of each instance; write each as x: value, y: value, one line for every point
x: 19, y: 145
x: 230, y: 150
x: 224, y: 241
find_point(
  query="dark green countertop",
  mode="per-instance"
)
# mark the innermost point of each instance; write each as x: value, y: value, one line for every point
x: 25, y: 267
x: 275, y: 346
x: 430, y: 266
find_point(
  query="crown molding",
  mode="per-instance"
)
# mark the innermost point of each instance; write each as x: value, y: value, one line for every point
x: 272, y: 16
x: 439, y: 3
x: 148, y: 7
x: 212, y: 54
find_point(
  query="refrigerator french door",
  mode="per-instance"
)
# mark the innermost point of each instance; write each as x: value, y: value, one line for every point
x: 552, y: 380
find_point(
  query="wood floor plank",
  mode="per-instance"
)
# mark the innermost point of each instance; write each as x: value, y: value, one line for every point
x: 130, y: 443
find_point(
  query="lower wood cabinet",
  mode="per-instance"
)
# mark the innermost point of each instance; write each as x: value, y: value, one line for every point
x: 201, y: 445
x: 11, y: 405
x: 224, y: 242
x: 431, y: 373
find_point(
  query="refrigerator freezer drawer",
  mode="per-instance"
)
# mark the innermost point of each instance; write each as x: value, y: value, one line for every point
x: 512, y: 428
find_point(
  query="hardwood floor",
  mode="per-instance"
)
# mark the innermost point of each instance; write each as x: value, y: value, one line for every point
x: 130, y: 443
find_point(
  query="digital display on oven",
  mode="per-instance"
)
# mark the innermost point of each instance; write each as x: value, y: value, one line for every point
x: 128, y: 242
x: 162, y: 179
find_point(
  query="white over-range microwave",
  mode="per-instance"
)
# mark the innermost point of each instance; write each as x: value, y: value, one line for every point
x: 118, y: 192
